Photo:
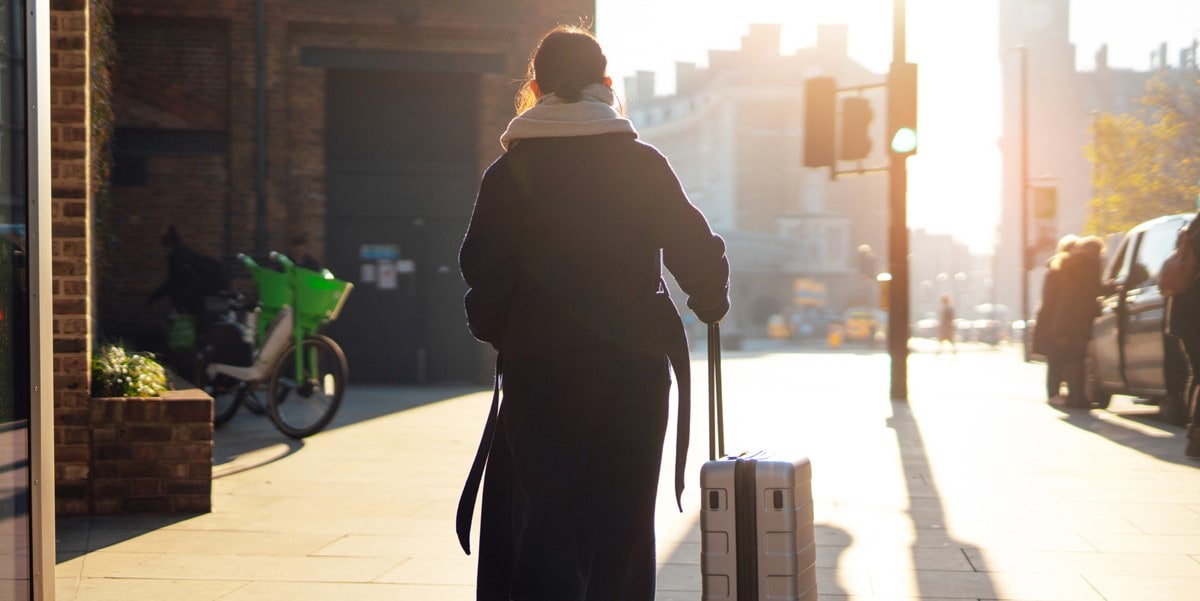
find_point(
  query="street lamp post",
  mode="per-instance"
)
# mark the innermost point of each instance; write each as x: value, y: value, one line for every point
x: 1024, y: 186
x: 1023, y: 179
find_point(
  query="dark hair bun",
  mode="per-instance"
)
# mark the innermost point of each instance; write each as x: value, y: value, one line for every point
x: 566, y: 61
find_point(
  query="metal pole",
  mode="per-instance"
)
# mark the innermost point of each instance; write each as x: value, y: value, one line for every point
x: 1024, y: 190
x: 898, y: 36
x: 260, y: 134
x: 898, y: 239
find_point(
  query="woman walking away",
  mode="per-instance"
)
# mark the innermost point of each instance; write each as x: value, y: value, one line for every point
x: 563, y: 259
x: 1183, y: 323
x: 1078, y: 306
x: 946, y: 324
x: 1043, y: 337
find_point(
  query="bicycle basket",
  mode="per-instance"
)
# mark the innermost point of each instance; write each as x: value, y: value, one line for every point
x: 319, y: 295
x: 274, y: 291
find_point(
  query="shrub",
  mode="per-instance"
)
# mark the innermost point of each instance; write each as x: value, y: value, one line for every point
x: 118, y: 372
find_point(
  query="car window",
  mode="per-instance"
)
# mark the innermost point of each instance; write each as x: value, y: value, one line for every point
x: 1118, y: 267
x: 1155, y: 245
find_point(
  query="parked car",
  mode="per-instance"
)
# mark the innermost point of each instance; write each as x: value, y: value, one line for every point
x: 1129, y: 353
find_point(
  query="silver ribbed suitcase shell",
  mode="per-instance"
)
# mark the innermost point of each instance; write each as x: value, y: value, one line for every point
x: 758, y: 538
x: 757, y: 531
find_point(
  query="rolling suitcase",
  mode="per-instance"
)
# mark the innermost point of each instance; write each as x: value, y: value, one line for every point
x: 756, y: 517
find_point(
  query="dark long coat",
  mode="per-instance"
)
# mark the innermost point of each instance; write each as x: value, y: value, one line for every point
x: 1043, y: 332
x: 563, y: 260
x: 1183, y: 311
x: 1183, y: 323
x: 1078, y: 303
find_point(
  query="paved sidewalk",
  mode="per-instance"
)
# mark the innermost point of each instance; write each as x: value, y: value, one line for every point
x: 974, y: 490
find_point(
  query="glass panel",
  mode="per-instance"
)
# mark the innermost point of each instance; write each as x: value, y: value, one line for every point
x: 1118, y: 268
x: 14, y: 312
x: 1157, y: 244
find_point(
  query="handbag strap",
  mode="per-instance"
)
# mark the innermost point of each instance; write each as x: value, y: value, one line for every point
x: 716, y: 409
x: 466, y: 501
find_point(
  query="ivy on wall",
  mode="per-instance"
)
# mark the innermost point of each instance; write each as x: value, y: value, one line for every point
x: 103, y: 51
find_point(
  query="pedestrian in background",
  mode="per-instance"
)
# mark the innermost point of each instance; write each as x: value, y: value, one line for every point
x: 946, y: 325
x: 1078, y: 305
x: 563, y: 259
x: 190, y: 276
x: 300, y: 255
x: 1044, y: 343
x: 1183, y: 323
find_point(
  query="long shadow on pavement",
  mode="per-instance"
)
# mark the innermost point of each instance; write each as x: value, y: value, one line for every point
x: 932, y: 579
x: 679, y: 578
x: 1135, y: 426
x: 935, y: 573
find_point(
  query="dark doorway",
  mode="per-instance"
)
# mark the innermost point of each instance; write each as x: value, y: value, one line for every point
x: 402, y: 158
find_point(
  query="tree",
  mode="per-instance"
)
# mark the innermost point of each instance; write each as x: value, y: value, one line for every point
x: 1147, y: 164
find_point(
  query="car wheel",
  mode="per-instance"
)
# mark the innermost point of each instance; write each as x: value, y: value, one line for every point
x: 1096, y: 392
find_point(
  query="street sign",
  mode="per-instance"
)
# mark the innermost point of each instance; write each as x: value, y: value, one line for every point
x: 1045, y: 202
x: 808, y: 293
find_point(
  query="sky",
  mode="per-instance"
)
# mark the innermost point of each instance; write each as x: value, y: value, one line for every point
x: 954, y: 180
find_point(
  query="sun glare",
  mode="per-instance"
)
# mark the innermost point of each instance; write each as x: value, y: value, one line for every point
x: 953, y: 42
x: 954, y: 180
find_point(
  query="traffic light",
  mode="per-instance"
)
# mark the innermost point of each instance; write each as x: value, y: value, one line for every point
x: 820, y: 94
x: 856, y: 137
x: 902, y: 108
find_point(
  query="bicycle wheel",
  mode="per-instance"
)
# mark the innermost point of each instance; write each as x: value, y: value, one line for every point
x: 227, y: 394
x: 303, y: 406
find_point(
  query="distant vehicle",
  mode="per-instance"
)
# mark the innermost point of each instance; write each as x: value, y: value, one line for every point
x: 989, y: 331
x: 993, y: 325
x: 927, y: 327
x: 864, y: 324
x: 964, y: 330
x: 1129, y: 353
x: 777, y: 328
x: 1018, y: 329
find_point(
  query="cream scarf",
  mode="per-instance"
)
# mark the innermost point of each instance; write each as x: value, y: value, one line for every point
x: 552, y: 117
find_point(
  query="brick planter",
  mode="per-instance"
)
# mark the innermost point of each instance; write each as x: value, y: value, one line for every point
x: 151, y: 455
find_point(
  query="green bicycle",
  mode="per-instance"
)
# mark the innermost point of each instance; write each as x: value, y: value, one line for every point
x: 304, y: 372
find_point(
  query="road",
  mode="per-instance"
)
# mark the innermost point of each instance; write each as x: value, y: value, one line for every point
x: 975, y: 489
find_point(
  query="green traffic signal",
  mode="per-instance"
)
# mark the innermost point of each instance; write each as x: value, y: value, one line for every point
x: 904, y: 141
x: 902, y: 107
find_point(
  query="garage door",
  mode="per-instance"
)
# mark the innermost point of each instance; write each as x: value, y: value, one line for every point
x: 402, y: 173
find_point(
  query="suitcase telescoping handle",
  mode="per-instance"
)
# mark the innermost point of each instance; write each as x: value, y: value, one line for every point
x: 716, y: 410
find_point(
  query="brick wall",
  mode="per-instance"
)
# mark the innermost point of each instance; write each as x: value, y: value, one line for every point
x: 71, y: 215
x: 186, y: 68
x: 152, y: 455
x: 188, y: 64
x: 171, y: 77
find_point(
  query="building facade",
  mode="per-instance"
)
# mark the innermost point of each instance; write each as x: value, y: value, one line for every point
x: 1060, y: 102
x: 734, y: 132
x: 363, y: 129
